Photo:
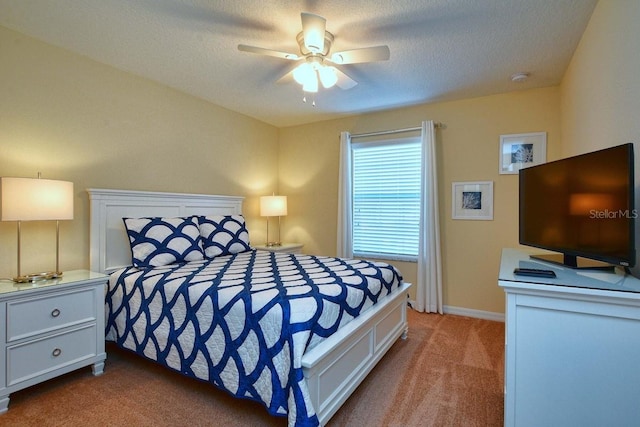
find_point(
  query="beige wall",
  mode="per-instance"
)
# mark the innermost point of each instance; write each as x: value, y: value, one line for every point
x: 468, y: 151
x: 75, y: 119
x: 600, y: 94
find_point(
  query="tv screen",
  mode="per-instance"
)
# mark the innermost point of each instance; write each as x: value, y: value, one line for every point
x: 582, y: 206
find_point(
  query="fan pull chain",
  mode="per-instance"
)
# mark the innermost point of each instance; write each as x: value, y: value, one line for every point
x: 313, y: 100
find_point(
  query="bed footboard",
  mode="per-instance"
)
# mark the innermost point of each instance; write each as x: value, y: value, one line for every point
x: 335, y: 367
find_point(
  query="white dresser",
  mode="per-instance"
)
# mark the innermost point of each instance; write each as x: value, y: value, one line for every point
x: 50, y: 328
x: 572, y: 354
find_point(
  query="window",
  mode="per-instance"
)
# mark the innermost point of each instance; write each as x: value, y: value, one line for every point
x: 386, y: 198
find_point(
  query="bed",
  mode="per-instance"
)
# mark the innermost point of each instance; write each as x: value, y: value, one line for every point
x: 298, y: 362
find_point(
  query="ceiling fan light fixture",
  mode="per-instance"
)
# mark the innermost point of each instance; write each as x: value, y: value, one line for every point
x: 328, y: 76
x: 311, y: 85
x: 315, y: 44
x: 303, y: 73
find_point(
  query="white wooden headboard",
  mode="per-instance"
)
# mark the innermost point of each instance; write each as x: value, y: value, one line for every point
x: 109, y: 244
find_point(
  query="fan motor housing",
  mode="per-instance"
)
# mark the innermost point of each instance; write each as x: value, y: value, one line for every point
x: 328, y: 41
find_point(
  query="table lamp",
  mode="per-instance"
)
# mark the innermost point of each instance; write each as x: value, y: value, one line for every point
x: 35, y: 199
x: 273, y: 206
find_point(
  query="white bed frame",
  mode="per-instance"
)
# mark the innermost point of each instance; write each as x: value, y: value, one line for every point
x: 334, y: 368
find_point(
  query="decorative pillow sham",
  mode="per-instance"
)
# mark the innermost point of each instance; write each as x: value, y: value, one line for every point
x: 223, y: 235
x: 161, y: 241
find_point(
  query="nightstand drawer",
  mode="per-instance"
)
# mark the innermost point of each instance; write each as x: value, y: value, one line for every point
x: 29, y: 317
x: 35, y: 358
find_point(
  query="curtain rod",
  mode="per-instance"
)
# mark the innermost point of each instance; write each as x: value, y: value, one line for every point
x: 387, y: 132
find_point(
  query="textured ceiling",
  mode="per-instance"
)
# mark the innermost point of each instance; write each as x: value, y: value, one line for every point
x: 440, y: 49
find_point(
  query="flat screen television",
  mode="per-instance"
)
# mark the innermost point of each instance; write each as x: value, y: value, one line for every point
x: 581, y: 207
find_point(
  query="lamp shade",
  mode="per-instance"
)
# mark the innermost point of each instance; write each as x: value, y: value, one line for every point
x: 273, y: 205
x: 34, y: 199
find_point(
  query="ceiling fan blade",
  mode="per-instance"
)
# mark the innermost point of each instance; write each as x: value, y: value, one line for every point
x: 287, y: 76
x: 344, y: 82
x: 366, y: 54
x: 313, y: 29
x: 268, y: 52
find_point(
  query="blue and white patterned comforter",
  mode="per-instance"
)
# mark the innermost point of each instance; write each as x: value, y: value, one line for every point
x: 244, y: 321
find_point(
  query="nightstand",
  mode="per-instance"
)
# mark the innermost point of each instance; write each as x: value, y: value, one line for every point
x: 52, y: 327
x: 285, y: 248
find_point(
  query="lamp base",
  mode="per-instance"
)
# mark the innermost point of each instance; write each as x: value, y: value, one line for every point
x: 272, y: 244
x: 37, y: 277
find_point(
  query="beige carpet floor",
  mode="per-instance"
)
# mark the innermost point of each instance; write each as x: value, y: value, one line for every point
x: 448, y: 372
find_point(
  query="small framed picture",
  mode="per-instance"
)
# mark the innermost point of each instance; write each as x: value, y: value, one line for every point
x: 522, y: 150
x: 472, y: 200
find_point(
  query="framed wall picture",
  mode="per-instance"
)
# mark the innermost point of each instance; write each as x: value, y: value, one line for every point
x: 522, y: 150
x: 472, y: 200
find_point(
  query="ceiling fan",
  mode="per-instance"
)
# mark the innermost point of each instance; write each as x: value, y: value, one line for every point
x: 316, y: 57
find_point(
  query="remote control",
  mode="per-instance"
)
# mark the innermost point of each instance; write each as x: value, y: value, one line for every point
x: 534, y: 272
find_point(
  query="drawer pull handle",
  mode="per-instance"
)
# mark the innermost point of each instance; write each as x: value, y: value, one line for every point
x: 55, y: 312
x: 56, y: 352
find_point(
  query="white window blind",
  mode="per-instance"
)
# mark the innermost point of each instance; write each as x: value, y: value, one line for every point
x: 386, y: 198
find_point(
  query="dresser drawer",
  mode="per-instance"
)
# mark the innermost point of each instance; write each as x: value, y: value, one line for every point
x: 32, y: 316
x: 37, y: 357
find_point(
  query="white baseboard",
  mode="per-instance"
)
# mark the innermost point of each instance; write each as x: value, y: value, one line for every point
x: 478, y: 314
x: 469, y: 312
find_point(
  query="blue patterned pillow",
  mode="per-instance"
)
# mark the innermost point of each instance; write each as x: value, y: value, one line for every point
x: 162, y: 241
x: 223, y: 235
